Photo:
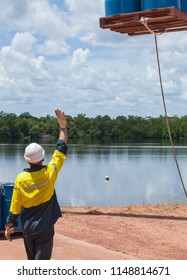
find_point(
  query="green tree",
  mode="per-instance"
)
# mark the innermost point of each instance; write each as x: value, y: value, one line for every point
x: 5, y: 133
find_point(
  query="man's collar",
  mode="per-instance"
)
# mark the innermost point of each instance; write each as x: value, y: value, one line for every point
x: 37, y: 168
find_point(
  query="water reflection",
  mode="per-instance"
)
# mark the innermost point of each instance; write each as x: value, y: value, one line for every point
x: 139, y: 173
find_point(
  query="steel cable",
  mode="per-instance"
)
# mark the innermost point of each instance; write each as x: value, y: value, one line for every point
x: 166, y: 115
x: 144, y: 21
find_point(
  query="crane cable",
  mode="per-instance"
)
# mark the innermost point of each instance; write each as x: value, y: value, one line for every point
x: 166, y: 116
x: 144, y: 22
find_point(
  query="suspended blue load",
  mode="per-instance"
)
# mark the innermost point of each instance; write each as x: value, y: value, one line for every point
x: 184, y: 5
x: 155, y: 16
x: 6, y: 190
x: 154, y: 4
x: 114, y: 7
x: 130, y: 6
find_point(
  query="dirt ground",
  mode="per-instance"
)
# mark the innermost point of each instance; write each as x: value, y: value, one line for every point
x: 145, y: 232
x: 109, y: 233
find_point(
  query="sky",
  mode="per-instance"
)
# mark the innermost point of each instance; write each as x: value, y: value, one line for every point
x: 53, y: 54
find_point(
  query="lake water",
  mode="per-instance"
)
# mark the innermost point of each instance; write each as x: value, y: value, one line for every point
x: 142, y: 174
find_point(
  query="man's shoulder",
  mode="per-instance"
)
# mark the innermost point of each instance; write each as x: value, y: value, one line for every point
x: 21, y: 175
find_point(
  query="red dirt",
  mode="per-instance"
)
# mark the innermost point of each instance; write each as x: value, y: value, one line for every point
x: 135, y: 232
x: 154, y: 232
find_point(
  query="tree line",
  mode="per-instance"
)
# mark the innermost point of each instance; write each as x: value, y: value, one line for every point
x: 82, y: 128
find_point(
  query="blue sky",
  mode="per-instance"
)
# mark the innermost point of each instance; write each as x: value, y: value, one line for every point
x: 53, y: 54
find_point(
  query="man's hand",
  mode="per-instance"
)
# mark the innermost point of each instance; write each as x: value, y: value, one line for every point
x: 62, y: 123
x: 9, y: 229
x: 61, y: 118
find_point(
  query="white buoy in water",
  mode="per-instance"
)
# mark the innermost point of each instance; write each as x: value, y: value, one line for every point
x: 107, y: 178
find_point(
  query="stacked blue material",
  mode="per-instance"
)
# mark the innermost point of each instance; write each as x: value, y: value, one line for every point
x: 184, y: 5
x: 153, y: 4
x: 115, y: 7
x: 6, y: 190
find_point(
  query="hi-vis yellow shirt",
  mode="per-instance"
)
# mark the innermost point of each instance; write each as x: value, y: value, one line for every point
x: 33, y: 188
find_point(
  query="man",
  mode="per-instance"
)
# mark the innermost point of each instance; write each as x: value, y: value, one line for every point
x: 34, y: 197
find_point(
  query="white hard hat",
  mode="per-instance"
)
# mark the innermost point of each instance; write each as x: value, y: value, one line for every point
x: 34, y: 153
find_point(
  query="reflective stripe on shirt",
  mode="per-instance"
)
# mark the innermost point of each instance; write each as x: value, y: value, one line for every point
x: 35, y: 186
x: 53, y: 164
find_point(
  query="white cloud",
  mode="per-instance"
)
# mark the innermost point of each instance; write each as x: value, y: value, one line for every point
x: 23, y: 42
x: 38, y: 68
x: 79, y: 57
x: 53, y: 47
x: 61, y: 57
x: 12, y: 9
x: 36, y: 16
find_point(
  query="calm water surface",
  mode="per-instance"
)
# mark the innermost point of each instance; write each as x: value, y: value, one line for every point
x: 141, y: 174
